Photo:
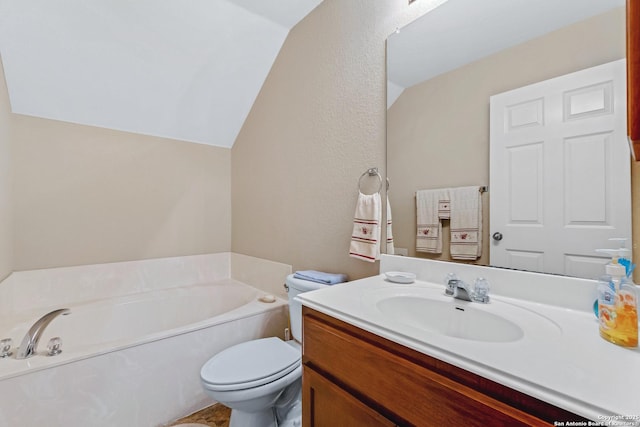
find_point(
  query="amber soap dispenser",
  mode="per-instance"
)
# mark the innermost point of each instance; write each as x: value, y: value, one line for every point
x: 618, y: 302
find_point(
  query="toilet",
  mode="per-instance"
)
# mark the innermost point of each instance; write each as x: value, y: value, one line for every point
x: 261, y: 380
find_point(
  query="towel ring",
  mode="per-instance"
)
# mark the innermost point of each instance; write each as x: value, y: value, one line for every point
x: 370, y: 172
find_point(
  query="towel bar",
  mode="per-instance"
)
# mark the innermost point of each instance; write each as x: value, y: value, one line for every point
x: 482, y: 189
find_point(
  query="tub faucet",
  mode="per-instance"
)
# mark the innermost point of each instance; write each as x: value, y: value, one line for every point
x: 30, y: 341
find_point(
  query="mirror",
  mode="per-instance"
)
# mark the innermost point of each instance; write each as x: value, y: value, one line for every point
x: 443, y: 68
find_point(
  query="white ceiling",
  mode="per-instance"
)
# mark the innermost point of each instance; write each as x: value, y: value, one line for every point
x: 187, y: 70
x: 462, y: 31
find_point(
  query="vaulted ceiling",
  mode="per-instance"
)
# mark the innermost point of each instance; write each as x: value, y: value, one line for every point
x: 188, y: 70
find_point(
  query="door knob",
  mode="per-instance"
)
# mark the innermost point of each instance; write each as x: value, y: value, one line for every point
x: 497, y: 236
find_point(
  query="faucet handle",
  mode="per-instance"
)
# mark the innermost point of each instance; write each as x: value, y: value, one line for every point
x: 53, y: 346
x: 5, y: 347
x: 481, y: 290
x: 449, y: 281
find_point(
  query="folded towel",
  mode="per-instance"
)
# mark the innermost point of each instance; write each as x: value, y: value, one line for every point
x: 429, y: 227
x: 365, y: 238
x: 320, y: 277
x: 390, y: 247
x: 466, y: 223
x: 444, y: 205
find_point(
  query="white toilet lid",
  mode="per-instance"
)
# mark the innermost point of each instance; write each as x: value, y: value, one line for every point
x: 250, y: 364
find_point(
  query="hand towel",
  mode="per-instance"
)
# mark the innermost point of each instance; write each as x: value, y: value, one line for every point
x: 390, y: 247
x: 321, y: 277
x: 466, y: 223
x: 365, y: 239
x: 429, y: 227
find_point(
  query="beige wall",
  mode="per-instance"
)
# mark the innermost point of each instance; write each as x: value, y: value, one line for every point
x: 316, y: 126
x: 85, y: 195
x: 438, y: 131
x: 6, y: 236
x: 88, y: 195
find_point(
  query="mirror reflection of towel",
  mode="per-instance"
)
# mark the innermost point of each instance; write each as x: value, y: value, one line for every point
x: 365, y: 238
x: 463, y: 207
x: 466, y: 223
x: 429, y: 204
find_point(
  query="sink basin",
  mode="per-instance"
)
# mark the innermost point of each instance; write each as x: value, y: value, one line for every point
x: 421, y: 310
x: 449, y: 318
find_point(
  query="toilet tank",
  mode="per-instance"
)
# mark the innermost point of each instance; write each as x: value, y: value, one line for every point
x: 294, y: 287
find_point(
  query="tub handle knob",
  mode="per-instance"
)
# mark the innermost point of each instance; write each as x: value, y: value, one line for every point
x: 5, y: 347
x: 54, y: 345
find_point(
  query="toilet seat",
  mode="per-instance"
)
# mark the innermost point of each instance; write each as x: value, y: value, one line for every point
x: 250, y: 364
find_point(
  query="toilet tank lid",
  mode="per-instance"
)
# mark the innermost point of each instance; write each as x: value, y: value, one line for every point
x: 303, y: 285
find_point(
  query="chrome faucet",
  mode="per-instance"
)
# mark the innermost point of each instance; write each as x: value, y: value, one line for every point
x: 29, y: 344
x: 458, y: 289
x: 462, y: 291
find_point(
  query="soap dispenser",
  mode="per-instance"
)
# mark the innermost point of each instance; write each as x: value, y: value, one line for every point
x: 626, y: 331
x: 617, y: 300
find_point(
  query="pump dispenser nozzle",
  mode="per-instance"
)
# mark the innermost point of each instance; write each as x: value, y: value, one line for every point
x: 614, y: 268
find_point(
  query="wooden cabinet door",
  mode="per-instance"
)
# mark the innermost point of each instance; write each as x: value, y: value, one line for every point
x: 327, y: 405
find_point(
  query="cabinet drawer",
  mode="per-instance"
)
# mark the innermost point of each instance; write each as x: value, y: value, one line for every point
x: 395, y: 385
x: 327, y: 405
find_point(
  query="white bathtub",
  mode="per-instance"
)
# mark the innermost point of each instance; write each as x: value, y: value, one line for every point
x: 130, y: 360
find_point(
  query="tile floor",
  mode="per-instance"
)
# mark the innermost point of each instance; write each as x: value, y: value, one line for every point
x: 213, y: 416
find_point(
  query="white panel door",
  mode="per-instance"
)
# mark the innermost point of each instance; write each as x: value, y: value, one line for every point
x: 560, y: 172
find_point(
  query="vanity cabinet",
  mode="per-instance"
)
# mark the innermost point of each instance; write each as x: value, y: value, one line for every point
x: 354, y: 378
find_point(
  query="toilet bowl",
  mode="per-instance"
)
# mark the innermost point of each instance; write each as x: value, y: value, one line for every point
x: 260, y: 380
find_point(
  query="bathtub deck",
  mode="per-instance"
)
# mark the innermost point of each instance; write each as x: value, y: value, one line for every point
x: 213, y: 416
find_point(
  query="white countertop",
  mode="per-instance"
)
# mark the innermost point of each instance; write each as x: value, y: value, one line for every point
x: 569, y: 365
